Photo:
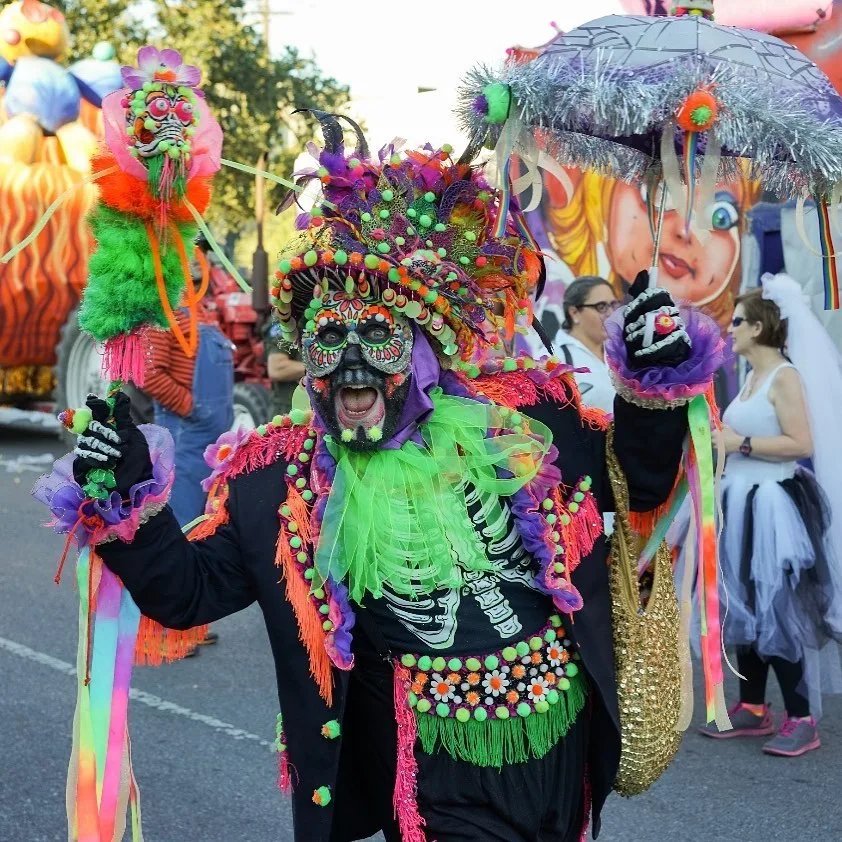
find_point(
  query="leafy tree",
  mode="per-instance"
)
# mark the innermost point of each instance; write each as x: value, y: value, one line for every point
x: 92, y: 21
x: 251, y: 93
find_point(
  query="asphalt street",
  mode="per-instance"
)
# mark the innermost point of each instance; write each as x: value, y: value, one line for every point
x: 201, y: 729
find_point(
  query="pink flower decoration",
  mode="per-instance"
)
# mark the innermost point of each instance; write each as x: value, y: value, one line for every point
x: 220, y: 454
x: 160, y: 65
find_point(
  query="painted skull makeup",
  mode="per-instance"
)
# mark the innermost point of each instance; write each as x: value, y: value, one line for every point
x: 357, y: 354
x: 384, y: 338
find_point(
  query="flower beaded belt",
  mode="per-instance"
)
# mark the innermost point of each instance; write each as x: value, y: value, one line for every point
x: 500, y: 708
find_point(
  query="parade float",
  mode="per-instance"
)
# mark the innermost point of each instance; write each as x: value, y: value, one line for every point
x: 50, y: 127
x: 589, y: 223
x: 50, y: 123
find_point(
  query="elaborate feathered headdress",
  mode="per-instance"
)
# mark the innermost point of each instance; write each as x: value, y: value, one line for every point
x: 418, y: 229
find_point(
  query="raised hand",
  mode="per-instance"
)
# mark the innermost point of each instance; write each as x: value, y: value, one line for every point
x: 653, y: 328
x: 111, y: 452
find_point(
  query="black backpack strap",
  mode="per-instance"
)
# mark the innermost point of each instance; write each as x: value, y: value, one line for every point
x: 568, y: 357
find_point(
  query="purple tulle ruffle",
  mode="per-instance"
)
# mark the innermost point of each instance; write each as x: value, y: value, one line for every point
x: 96, y: 520
x: 663, y: 383
x: 339, y: 643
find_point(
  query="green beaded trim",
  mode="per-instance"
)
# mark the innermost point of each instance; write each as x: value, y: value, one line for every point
x: 499, y: 708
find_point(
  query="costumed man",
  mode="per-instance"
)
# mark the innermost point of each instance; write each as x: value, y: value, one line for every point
x: 426, y: 543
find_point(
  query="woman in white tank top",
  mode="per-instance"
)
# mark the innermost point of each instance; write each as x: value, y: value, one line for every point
x: 784, y: 603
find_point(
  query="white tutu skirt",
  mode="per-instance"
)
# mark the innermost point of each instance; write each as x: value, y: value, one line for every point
x: 780, y: 589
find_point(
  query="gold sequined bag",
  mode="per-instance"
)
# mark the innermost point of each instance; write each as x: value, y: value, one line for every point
x: 646, y: 652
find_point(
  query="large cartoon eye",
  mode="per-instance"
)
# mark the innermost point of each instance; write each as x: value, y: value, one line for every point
x: 184, y: 111
x: 724, y: 214
x: 159, y: 107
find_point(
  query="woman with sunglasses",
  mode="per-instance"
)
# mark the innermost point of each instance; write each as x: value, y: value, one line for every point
x: 781, y: 536
x: 588, y: 302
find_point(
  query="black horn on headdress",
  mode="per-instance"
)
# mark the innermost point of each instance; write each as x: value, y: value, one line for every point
x: 361, y: 149
x: 331, y: 130
x: 470, y: 153
x: 334, y: 144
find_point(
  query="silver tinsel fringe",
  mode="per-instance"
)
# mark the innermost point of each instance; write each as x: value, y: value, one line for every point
x: 575, y: 107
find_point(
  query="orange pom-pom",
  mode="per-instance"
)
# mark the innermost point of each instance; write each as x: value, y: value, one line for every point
x: 698, y: 112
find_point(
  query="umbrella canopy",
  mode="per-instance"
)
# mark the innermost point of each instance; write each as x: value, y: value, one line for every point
x: 626, y: 95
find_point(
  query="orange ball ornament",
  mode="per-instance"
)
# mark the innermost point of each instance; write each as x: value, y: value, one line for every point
x: 698, y: 112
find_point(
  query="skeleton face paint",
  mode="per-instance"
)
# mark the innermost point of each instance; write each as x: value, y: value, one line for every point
x: 384, y: 339
x: 357, y: 355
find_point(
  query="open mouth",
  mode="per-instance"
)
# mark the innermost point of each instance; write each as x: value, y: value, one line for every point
x: 359, y: 406
x: 674, y: 266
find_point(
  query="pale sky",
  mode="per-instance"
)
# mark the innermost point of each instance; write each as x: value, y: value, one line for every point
x: 385, y: 50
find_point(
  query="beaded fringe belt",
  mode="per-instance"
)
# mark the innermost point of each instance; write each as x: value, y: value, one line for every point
x: 500, y: 708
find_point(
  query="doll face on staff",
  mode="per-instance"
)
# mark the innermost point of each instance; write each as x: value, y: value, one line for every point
x: 357, y: 356
x: 165, y: 123
x: 696, y: 268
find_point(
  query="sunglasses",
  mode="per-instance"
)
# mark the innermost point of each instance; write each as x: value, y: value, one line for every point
x: 603, y: 307
x: 737, y: 321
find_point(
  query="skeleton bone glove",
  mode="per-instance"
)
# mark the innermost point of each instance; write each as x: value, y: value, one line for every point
x: 654, y: 330
x: 112, y: 442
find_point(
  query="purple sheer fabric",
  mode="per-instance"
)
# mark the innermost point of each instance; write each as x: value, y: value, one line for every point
x: 681, y: 383
x: 113, y: 516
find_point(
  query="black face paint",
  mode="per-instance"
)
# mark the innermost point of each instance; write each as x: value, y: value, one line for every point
x: 359, y: 405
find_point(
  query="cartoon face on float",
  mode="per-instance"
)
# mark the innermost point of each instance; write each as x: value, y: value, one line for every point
x: 600, y: 226
x: 31, y: 28
x: 697, y: 268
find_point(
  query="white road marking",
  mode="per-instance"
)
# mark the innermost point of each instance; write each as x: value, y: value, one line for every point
x: 148, y: 699
x: 38, y: 463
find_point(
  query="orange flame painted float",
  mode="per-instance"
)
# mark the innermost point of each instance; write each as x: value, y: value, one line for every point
x: 50, y: 123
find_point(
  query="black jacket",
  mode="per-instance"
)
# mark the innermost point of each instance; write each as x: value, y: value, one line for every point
x: 182, y: 584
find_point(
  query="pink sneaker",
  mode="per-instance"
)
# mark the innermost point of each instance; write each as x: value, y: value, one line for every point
x: 796, y: 737
x: 746, y: 724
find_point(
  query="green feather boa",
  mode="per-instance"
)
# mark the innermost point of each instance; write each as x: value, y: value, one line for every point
x: 122, y: 293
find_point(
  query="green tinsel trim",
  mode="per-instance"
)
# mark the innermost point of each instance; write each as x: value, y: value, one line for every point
x: 495, y: 742
x: 121, y: 293
x: 155, y: 168
x: 180, y: 181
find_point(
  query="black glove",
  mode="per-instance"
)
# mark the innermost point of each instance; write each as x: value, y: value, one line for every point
x: 654, y: 330
x: 112, y: 442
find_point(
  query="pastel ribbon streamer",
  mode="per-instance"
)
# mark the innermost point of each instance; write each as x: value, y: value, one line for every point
x: 100, y: 781
x: 700, y: 477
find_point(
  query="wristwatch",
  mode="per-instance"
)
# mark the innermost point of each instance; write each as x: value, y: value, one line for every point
x: 745, y: 447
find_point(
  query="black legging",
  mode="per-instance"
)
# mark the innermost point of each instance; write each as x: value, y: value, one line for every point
x: 790, y: 676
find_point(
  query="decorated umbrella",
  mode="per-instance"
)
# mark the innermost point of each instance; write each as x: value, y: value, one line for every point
x: 675, y: 99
